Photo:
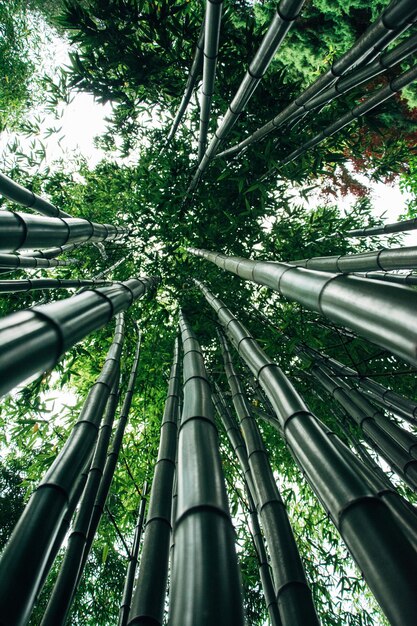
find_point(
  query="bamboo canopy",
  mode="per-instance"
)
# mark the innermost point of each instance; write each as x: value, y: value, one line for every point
x: 149, y: 596
x: 48, y: 330
x: 363, y: 305
x: 20, y: 195
x: 204, y: 556
x: 346, y: 494
x: 22, y: 566
x: 285, y: 15
x: 133, y: 561
x: 28, y: 232
x: 396, y: 18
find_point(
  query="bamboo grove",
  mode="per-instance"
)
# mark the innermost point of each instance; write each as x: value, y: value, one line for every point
x: 267, y: 422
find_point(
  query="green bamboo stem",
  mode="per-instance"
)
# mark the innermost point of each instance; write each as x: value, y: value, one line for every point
x: 205, y: 586
x: 396, y: 18
x: 14, y: 286
x: 149, y: 596
x: 408, y: 280
x: 48, y: 331
x: 111, y: 461
x: 23, y: 562
x: 21, y: 261
x: 367, y: 526
x: 20, y: 195
x: 65, y: 586
x: 363, y: 305
x: 133, y: 561
x: 292, y: 591
x: 239, y: 448
x: 29, y: 232
x: 383, y: 259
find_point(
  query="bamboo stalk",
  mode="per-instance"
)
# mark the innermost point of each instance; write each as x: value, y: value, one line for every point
x: 23, y: 562
x: 408, y: 280
x: 111, y: 460
x: 20, y: 195
x: 20, y: 261
x: 191, y: 81
x: 133, y: 561
x: 391, y: 400
x: 367, y: 526
x: 149, y: 596
x: 212, y: 23
x: 14, y: 286
x: 205, y: 586
x: 384, y: 229
x: 49, y: 330
x: 293, y: 593
x: 382, y: 313
x: 396, y: 18
x: 378, y: 260
x: 239, y: 448
x: 65, y: 585
x: 285, y: 15
x: 29, y: 232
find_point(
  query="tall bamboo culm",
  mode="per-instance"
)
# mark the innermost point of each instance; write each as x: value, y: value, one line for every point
x: 65, y: 585
x: 239, y: 448
x: 205, y: 585
x: 23, y: 562
x: 377, y: 543
x: 292, y: 591
x: 133, y: 561
x: 149, y: 596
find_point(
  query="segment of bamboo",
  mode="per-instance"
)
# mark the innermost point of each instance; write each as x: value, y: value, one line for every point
x: 408, y: 280
x: 65, y: 585
x: 387, y: 398
x: 396, y: 18
x: 236, y: 441
x: 382, y: 313
x: 14, y: 286
x: 375, y: 99
x: 47, y: 331
x: 212, y: 24
x: 385, y: 229
x: 23, y: 562
x: 133, y: 561
x: 20, y: 195
x: 378, y: 260
x: 29, y: 232
x: 292, y: 591
x: 205, y: 587
x: 111, y: 461
x: 285, y: 15
x: 192, y: 78
x: 20, y: 261
x: 367, y: 526
x: 149, y: 596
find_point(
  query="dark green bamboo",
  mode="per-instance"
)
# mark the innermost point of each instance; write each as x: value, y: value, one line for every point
x: 20, y: 195
x: 388, y: 399
x: 195, y: 70
x: 212, y: 23
x: 292, y: 591
x: 390, y: 442
x: 13, y: 286
x: 23, y: 562
x: 18, y: 261
x: 47, y: 331
x: 285, y: 15
x: 239, y: 448
x: 149, y: 596
x: 383, y: 259
x: 382, y: 313
x: 29, y: 232
x: 133, y: 561
x: 408, y: 280
x: 396, y: 18
x: 64, y: 589
x: 111, y: 461
x: 384, y: 229
x: 205, y: 585
x: 375, y: 99
x: 378, y: 544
